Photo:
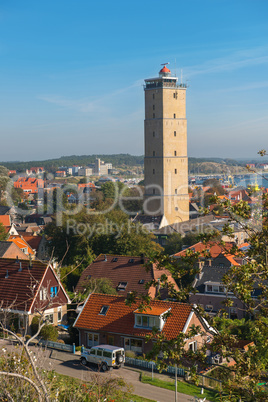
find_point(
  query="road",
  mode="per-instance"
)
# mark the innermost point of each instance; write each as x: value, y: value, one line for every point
x: 69, y: 364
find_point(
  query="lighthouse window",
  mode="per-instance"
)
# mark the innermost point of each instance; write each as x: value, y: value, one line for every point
x: 175, y: 153
x: 174, y: 115
x: 176, y: 191
x: 175, y: 171
x: 175, y: 133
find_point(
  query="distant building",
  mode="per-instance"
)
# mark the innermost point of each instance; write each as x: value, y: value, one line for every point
x: 29, y: 184
x: 60, y: 173
x: 35, y: 170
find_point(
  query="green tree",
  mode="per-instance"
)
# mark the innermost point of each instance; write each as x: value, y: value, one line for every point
x: 3, y: 233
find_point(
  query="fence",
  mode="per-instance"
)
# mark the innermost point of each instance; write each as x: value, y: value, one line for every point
x: 148, y: 365
x: 57, y: 345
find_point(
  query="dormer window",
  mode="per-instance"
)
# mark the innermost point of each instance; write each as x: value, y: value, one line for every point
x: 141, y: 281
x: 115, y: 259
x: 122, y: 286
x: 146, y: 321
x: 131, y: 261
x: 104, y: 310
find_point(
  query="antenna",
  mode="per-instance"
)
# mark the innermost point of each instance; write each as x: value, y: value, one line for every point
x: 175, y: 68
x: 181, y: 75
x: 164, y: 64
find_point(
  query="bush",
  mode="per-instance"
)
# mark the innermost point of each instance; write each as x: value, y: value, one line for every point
x: 78, y: 348
x: 49, y: 333
x: 35, y: 325
x: 131, y: 354
x: 61, y: 341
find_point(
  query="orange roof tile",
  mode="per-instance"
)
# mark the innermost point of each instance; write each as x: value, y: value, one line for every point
x: 120, y: 318
x: 152, y: 311
x: 5, y: 220
x: 21, y: 243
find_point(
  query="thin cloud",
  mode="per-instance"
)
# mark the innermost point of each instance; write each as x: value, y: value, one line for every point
x: 235, y: 61
x: 84, y: 105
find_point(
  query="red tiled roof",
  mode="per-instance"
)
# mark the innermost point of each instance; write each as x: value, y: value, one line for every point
x: 165, y: 70
x: 152, y: 311
x: 121, y: 268
x: 5, y: 220
x: 21, y: 243
x: 214, y: 249
x: 16, y: 288
x: 120, y: 318
x: 33, y: 241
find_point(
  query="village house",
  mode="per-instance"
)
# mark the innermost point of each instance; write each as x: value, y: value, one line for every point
x: 127, y: 274
x: 106, y: 319
x: 27, y: 287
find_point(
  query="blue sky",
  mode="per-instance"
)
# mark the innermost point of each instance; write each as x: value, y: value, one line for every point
x: 71, y: 74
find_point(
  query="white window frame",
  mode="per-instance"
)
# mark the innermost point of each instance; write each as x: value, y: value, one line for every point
x: 93, y: 334
x: 193, y: 346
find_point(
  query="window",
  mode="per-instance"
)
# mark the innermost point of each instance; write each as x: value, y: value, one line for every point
x: 43, y: 294
x: 49, y: 318
x: 99, y: 352
x: 153, y: 191
x: 175, y: 171
x: 174, y: 115
x: 175, y: 133
x: 174, y: 95
x: 53, y: 291
x: 153, y: 153
x: 209, y: 307
x: 176, y: 208
x: 122, y: 286
x: 209, y: 288
x: 133, y: 344
x: 175, y: 153
x: 131, y: 260
x: 107, y: 354
x: 141, y: 281
x: 153, y: 107
x: 147, y: 321
x: 115, y: 259
x: 153, y: 171
x: 176, y: 191
x: 153, y: 134
x: 104, y: 310
x: 153, y: 115
x: 153, y: 96
x: 59, y: 314
x: 92, y: 339
x: 193, y: 346
x: 92, y: 352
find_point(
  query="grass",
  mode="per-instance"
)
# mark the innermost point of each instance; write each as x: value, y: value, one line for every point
x: 183, y: 387
x: 136, y: 398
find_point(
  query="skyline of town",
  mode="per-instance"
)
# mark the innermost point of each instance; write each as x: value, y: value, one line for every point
x: 73, y: 77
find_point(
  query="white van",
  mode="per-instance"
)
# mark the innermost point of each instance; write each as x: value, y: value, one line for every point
x: 105, y: 356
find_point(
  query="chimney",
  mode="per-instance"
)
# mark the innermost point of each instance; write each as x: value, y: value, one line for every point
x: 30, y: 261
x: 210, y: 262
x: 105, y: 257
x: 142, y: 259
x: 20, y: 268
x: 6, y: 274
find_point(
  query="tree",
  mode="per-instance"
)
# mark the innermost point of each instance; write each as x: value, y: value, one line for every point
x: 3, y: 233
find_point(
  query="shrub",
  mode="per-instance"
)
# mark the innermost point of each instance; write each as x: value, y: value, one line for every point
x: 78, y: 348
x: 131, y: 354
x: 60, y: 341
x: 35, y: 325
x: 49, y: 333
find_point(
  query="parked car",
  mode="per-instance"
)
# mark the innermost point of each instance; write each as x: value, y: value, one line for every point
x: 105, y: 356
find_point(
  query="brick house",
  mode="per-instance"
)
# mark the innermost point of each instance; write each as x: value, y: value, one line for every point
x: 30, y: 286
x: 106, y: 319
x: 127, y: 274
